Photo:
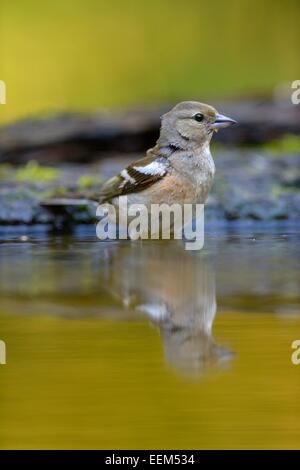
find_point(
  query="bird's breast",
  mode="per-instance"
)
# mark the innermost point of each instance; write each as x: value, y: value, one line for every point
x: 198, y: 170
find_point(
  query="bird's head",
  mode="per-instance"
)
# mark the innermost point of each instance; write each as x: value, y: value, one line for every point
x: 191, y: 123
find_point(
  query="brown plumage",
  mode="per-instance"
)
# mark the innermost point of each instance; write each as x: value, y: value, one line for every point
x: 179, y: 169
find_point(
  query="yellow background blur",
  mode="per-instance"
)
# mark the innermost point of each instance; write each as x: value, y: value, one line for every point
x: 85, y: 54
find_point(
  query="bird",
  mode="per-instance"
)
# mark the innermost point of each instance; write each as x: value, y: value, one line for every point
x: 179, y: 169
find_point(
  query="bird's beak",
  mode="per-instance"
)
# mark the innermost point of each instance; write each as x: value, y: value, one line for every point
x: 222, y: 121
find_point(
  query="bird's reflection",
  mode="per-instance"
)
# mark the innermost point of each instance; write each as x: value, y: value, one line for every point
x: 176, y: 290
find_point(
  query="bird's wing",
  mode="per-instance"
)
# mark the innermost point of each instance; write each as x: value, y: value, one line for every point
x: 136, y: 177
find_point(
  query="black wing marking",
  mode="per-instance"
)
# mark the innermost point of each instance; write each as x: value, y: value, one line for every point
x: 136, y: 177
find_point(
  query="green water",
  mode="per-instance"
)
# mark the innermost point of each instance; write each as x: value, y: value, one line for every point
x: 86, y: 54
x: 146, y: 345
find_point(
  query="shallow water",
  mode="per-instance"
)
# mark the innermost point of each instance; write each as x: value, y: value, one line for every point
x: 146, y: 345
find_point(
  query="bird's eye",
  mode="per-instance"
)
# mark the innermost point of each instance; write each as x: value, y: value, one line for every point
x: 198, y: 117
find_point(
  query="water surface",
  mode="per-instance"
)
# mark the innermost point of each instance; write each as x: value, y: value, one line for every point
x: 146, y: 345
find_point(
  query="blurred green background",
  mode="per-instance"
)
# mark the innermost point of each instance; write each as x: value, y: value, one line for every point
x: 86, y: 54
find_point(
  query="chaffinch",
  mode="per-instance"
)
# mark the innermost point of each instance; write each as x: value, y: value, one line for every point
x: 180, y: 168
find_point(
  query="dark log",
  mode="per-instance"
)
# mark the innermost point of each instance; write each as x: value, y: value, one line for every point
x: 88, y: 137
